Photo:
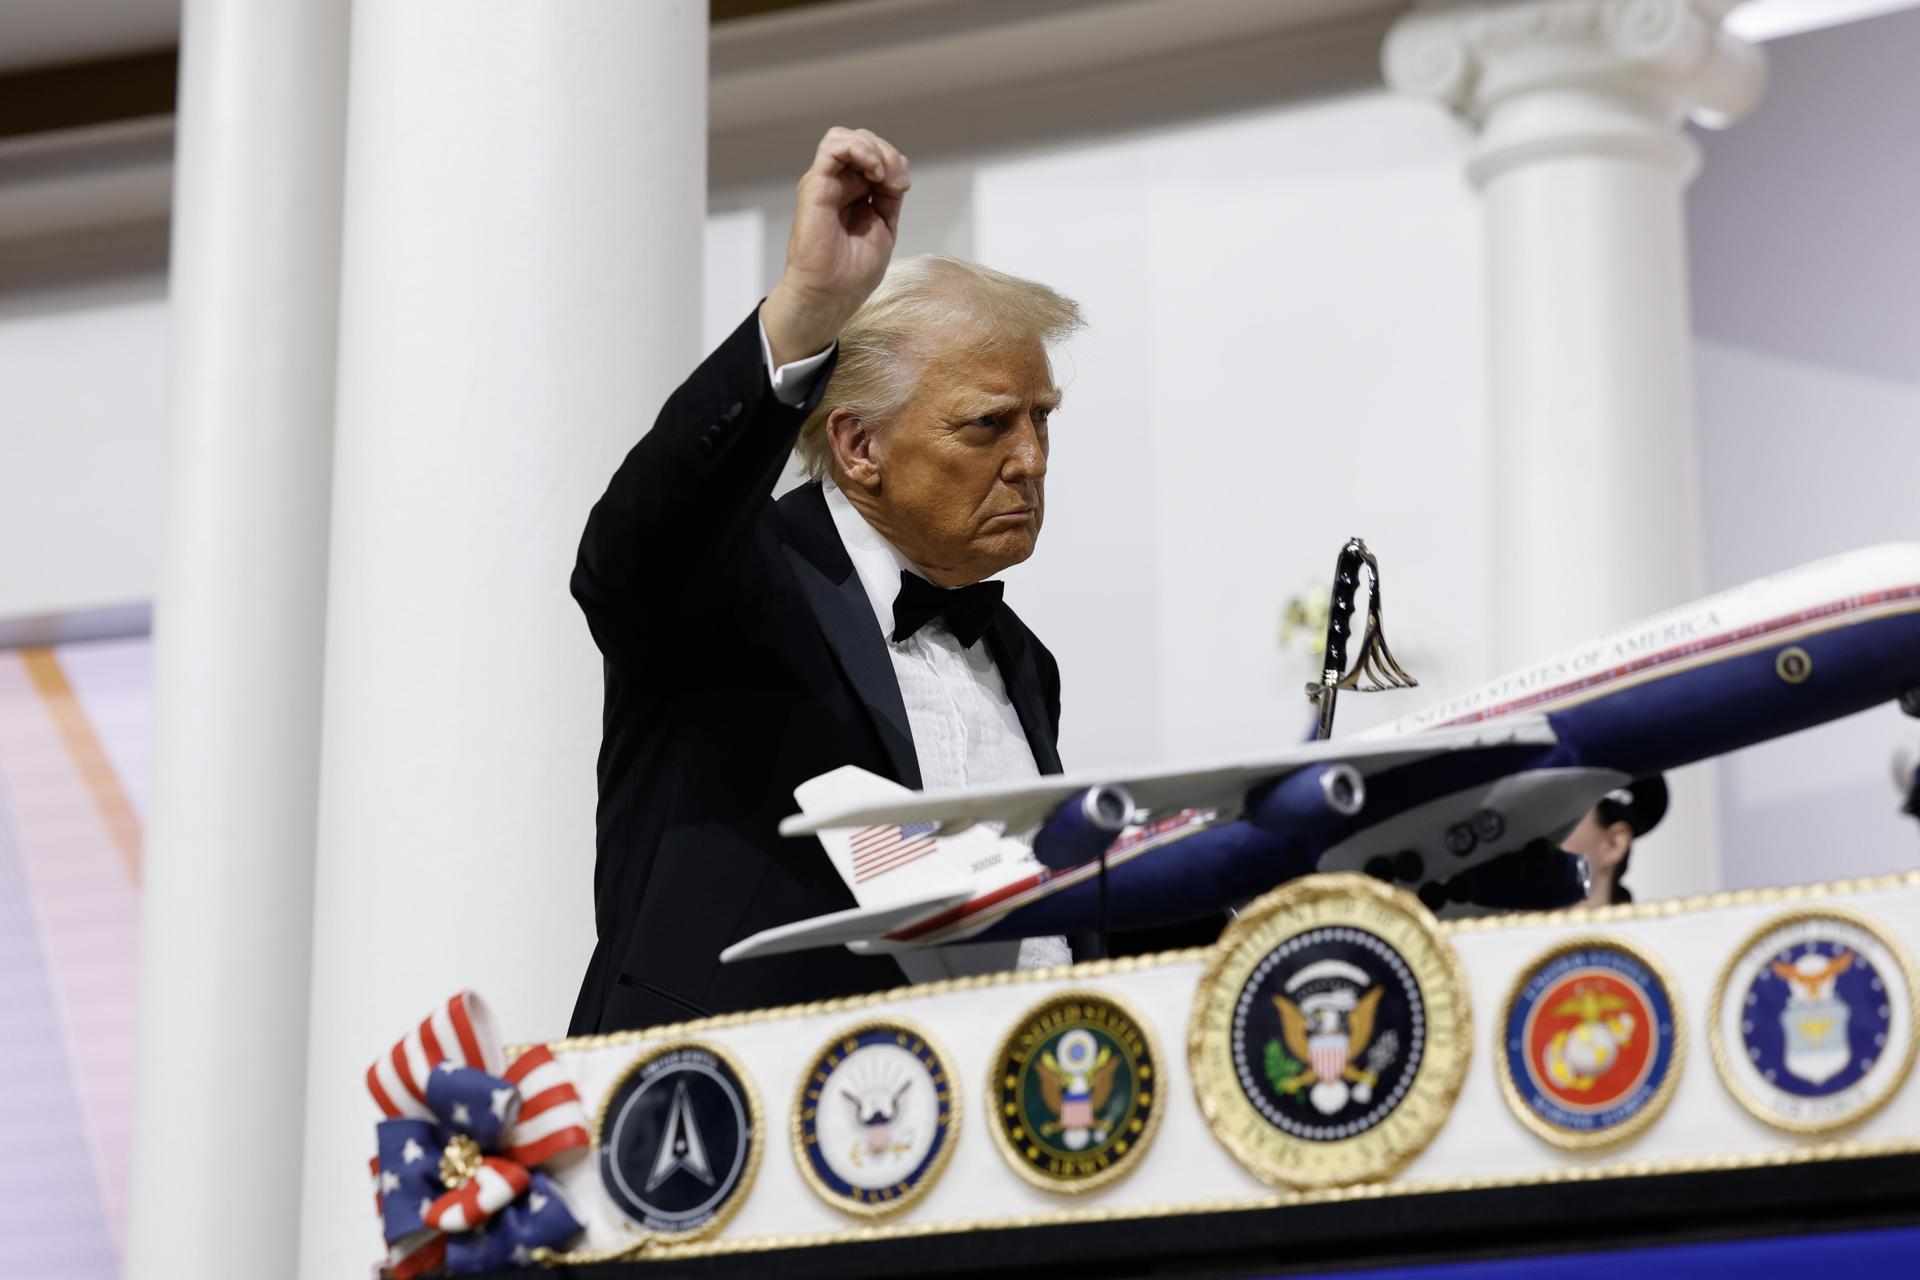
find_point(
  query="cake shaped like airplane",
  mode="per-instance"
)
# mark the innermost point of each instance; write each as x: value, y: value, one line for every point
x: 1465, y: 802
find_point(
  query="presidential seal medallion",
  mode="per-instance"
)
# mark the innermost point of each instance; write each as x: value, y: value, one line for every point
x: 876, y: 1118
x: 1591, y: 1043
x: 1330, y: 1034
x: 1813, y: 1020
x: 679, y: 1140
x: 1075, y: 1094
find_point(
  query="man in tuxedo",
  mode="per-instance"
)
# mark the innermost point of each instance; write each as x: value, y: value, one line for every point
x: 751, y: 644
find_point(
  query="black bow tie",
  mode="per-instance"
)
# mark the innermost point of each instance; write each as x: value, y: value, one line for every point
x: 967, y: 610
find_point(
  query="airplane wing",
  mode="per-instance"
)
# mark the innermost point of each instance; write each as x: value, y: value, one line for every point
x: 855, y: 924
x: 1222, y: 786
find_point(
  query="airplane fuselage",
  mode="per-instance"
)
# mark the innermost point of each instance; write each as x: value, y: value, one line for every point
x: 1767, y: 659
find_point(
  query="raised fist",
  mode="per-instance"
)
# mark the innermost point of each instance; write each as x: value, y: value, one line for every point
x: 846, y: 216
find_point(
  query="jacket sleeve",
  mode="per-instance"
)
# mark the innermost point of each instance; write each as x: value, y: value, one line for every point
x: 1050, y: 690
x: 666, y: 545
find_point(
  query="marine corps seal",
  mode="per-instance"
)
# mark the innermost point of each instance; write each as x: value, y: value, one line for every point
x: 1813, y: 1020
x: 876, y: 1118
x: 679, y: 1140
x: 1330, y: 1034
x: 1590, y: 1043
x: 1075, y: 1095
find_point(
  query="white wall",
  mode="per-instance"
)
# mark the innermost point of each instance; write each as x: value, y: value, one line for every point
x: 1283, y: 349
x: 83, y: 437
x: 1808, y: 460
x: 1806, y: 281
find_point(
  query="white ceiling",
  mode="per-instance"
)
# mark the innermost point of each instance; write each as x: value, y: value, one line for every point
x: 1771, y: 19
x: 39, y: 33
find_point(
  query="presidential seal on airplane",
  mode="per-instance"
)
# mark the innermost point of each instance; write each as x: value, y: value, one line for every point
x: 1330, y: 1034
x: 1591, y: 1043
x: 679, y: 1140
x: 1813, y: 1020
x: 876, y: 1118
x: 1075, y: 1095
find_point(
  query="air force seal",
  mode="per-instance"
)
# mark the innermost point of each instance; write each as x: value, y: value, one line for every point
x: 1330, y: 1033
x: 1591, y: 1043
x: 1813, y: 1020
x: 1075, y: 1095
x: 876, y: 1118
x: 679, y: 1139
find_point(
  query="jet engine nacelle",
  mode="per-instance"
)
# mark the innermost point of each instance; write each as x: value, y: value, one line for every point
x: 1308, y: 800
x: 1081, y: 828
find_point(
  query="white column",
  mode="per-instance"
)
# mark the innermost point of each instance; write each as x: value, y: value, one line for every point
x: 228, y: 880
x: 1582, y: 159
x: 526, y: 189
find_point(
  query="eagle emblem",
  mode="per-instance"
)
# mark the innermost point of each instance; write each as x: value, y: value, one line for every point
x: 1077, y: 1087
x: 1076, y: 1091
x: 1814, y: 1020
x: 1578, y: 1055
x: 1590, y: 1049
x: 1327, y: 1052
x: 876, y: 1117
x: 875, y: 1107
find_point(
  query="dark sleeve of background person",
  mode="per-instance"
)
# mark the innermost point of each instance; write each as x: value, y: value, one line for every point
x: 665, y: 544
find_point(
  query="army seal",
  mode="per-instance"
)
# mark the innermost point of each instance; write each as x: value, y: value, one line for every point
x: 1591, y: 1043
x: 1075, y: 1095
x: 1331, y: 1032
x: 876, y: 1118
x: 1813, y: 1020
x: 679, y: 1140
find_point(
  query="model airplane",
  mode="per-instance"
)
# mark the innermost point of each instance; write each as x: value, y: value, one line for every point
x: 1465, y: 802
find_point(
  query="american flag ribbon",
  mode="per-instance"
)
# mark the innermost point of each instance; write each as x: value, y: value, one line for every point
x: 551, y: 1117
x: 878, y: 850
x: 448, y: 1077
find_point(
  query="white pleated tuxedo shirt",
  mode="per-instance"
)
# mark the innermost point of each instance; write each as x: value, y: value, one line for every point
x: 965, y: 729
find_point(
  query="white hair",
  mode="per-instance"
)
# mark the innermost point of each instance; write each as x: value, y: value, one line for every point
x: 924, y: 305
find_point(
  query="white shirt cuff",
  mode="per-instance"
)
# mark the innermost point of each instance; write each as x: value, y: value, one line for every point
x: 793, y: 381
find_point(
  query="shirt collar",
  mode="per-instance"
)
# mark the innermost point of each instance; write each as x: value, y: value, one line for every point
x: 874, y: 558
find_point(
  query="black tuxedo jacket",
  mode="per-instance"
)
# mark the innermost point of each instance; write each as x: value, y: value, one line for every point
x: 741, y: 658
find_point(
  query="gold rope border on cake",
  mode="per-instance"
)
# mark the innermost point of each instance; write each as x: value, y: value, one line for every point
x: 1826, y: 1152
x: 1821, y: 1154
x: 1571, y: 917
x: 874, y: 999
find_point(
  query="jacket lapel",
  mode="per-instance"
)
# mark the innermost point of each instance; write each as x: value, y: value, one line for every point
x: 840, y: 605
x: 1011, y: 651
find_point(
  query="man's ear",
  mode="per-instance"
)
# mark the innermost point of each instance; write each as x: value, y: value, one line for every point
x: 851, y: 442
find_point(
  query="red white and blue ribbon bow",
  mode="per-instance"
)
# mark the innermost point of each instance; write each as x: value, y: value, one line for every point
x: 456, y: 1176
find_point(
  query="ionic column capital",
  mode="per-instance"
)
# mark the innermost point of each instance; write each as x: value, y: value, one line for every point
x: 1596, y: 76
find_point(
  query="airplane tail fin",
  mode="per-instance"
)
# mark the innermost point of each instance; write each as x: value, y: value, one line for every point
x: 889, y: 863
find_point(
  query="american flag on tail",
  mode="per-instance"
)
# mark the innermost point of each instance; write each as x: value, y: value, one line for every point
x: 878, y: 850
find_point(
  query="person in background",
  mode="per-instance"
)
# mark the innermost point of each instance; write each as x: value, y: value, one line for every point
x: 1605, y: 836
